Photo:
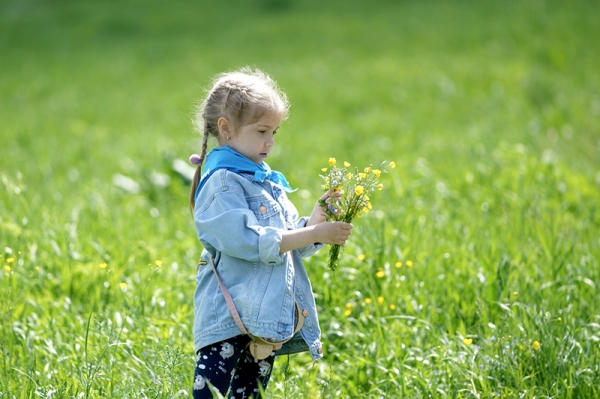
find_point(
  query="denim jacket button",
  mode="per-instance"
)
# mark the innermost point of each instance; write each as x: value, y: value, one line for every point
x: 305, y: 313
x: 262, y: 209
x: 320, y: 351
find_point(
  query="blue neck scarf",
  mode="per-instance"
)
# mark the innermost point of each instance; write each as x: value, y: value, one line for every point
x: 227, y: 158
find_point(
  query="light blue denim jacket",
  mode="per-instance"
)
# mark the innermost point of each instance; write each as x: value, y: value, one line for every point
x: 240, y: 224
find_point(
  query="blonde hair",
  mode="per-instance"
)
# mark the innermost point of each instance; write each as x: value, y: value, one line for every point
x: 242, y: 97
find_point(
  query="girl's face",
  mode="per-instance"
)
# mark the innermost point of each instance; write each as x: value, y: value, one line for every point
x: 256, y: 140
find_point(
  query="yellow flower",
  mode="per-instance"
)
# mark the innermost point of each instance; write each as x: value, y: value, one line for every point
x: 380, y: 300
x: 468, y: 341
x: 323, y: 169
x: 123, y: 286
x: 10, y: 260
x: 367, y: 169
x: 158, y: 263
x: 392, y: 306
x: 376, y: 172
x: 331, y: 161
x: 348, y: 312
x: 392, y: 164
x: 409, y: 263
x: 362, y: 175
x: 380, y: 187
x: 346, y: 163
x: 358, y: 190
x: 349, y: 176
x: 398, y: 265
x: 365, y: 210
x: 368, y: 301
x: 536, y: 345
x: 361, y: 257
x: 103, y: 265
x: 369, y: 206
x: 37, y: 268
x: 7, y: 268
x: 349, y: 305
x: 380, y: 273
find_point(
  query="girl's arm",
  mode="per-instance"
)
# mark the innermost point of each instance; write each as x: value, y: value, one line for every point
x: 316, y: 231
x: 326, y: 233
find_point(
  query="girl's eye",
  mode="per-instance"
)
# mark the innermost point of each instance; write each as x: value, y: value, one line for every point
x: 262, y: 131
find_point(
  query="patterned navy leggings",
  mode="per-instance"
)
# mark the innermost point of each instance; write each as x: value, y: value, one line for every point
x: 229, y: 367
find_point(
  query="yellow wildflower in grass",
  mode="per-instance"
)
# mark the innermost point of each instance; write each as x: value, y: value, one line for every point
x: 380, y: 300
x: 362, y: 175
x: 331, y: 161
x: 123, y: 286
x: 380, y: 273
x: 10, y: 260
x: 409, y: 263
x: 347, y: 164
x: 362, y: 257
x: 358, y: 190
x: 392, y: 164
x: 380, y: 187
x: 7, y: 268
x: 376, y: 172
x: 468, y: 341
x: 398, y: 265
x: 367, y: 169
x: 349, y: 176
x: 103, y: 265
x: 536, y: 345
x: 392, y: 306
x: 368, y: 301
x: 158, y: 263
x: 349, y: 305
x: 37, y: 268
x: 323, y: 169
x: 365, y: 210
x: 347, y: 312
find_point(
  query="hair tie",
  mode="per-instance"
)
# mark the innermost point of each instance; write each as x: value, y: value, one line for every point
x: 195, y: 159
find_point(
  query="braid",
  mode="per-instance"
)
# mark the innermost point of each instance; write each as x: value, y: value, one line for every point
x: 198, y: 172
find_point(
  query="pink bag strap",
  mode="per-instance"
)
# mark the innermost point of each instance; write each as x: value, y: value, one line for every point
x: 229, y: 300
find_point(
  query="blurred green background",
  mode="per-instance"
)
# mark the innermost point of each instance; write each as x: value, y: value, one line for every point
x: 490, y: 109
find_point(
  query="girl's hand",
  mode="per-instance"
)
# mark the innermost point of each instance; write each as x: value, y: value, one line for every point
x: 318, y: 214
x: 333, y: 232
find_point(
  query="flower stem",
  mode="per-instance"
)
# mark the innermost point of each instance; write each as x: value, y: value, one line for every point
x: 334, y: 255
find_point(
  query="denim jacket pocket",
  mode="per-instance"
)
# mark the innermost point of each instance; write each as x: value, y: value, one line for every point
x: 263, y: 208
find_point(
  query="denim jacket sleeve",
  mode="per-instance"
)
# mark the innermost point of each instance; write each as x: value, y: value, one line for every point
x: 225, y: 221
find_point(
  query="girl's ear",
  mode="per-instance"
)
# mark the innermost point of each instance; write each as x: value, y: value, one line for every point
x: 224, y: 128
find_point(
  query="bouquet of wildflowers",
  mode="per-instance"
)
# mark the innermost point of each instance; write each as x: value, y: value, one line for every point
x: 355, y: 188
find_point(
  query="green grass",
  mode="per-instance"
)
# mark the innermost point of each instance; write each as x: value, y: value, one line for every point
x: 490, y: 110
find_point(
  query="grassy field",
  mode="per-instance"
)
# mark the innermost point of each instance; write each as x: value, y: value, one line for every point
x: 475, y: 276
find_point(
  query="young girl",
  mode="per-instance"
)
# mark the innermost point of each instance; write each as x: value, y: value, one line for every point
x: 253, y: 241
